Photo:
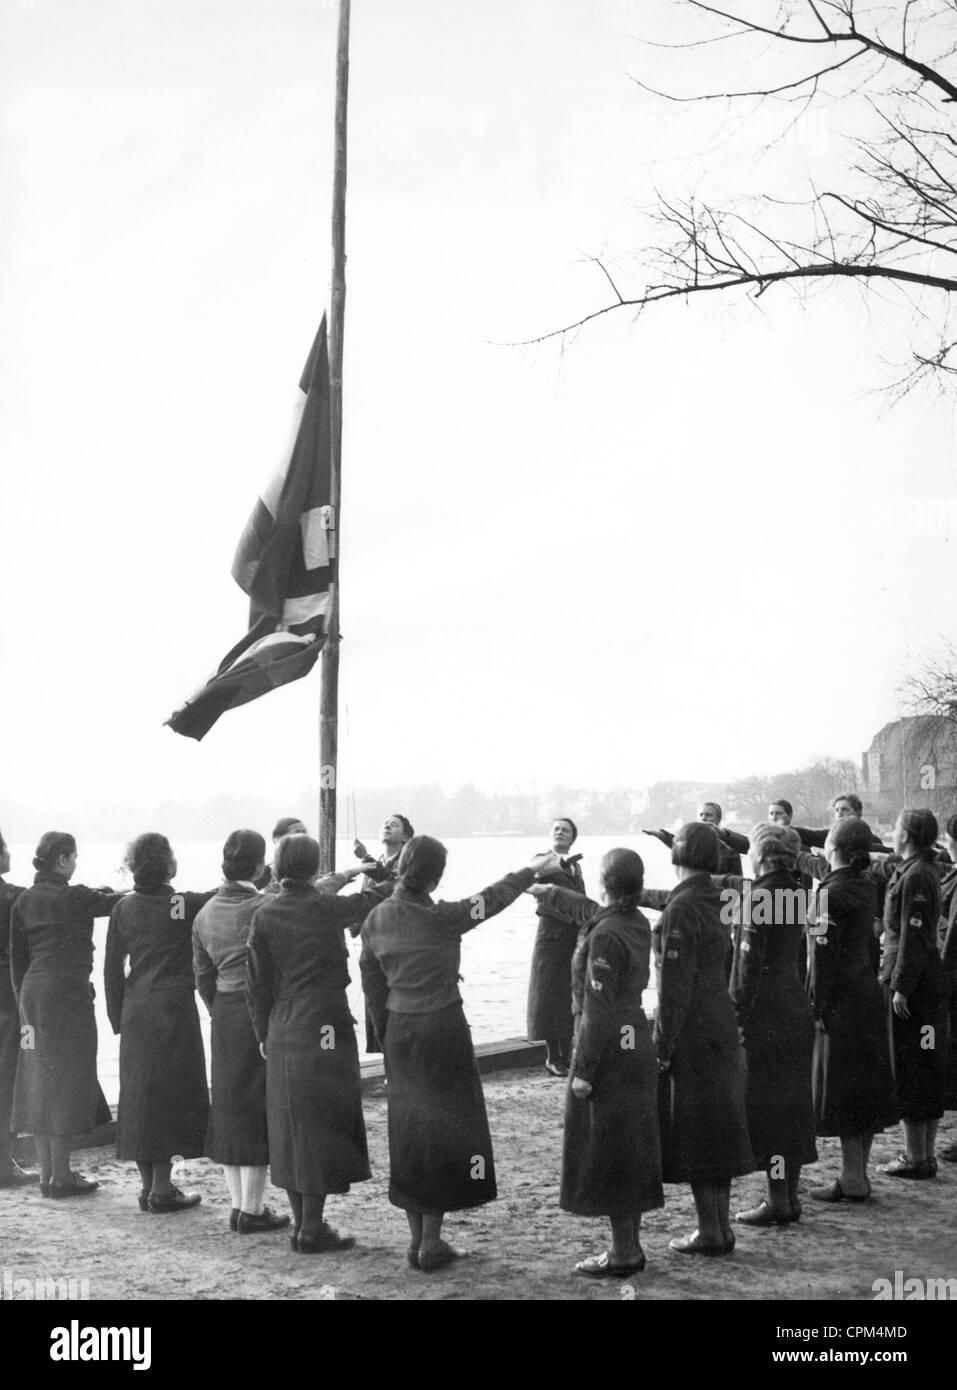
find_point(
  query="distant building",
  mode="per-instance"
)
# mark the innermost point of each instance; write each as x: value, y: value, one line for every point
x: 911, y: 762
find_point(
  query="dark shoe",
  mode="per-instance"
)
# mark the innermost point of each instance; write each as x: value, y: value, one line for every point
x: 694, y: 1245
x: 174, y: 1200
x: 763, y: 1215
x: 903, y: 1168
x: 12, y: 1175
x: 834, y: 1192
x: 327, y: 1239
x: 556, y: 1068
x: 438, y: 1259
x: 267, y: 1220
x: 234, y: 1219
x: 144, y: 1199
x: 601, y: 1267
x: 78, y: 1186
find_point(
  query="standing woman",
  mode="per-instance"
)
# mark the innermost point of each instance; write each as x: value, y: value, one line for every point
x: 297, y: 975
x: 236, y: 1136
x: 852, y: 1077
x: 776, y: 1022
x: 704, y: 1130
x: 947, y: 940
x: 11, y: 1174
x: 397, y: 830
x: 611, y: 1158
x: 164, y: 1101
x: 915, y: 984
x: 57, y: 1095
x: 440, y: 1149
x: 549, y: 986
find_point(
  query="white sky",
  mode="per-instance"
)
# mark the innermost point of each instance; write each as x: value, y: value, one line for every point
x: 681, y: 549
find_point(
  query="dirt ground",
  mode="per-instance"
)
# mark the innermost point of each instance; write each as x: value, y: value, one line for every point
x: 521, y: 1247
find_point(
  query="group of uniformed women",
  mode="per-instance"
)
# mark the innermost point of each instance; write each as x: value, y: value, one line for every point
x: 737, y: 1074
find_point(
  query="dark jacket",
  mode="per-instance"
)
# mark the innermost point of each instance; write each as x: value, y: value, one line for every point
x: 153, y: 931
x: 911, y: 915
x: 947, y: 925
x: 549, y: 1008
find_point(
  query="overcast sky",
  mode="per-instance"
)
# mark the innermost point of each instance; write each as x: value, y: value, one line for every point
x: 687, y: 547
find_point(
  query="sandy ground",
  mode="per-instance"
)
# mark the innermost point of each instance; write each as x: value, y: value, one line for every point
x: 521, y: 1247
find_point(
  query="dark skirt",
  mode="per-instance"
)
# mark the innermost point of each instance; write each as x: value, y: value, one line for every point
x: 550, y: 984
x: 164, y: 1101
x: 920, y: 1070
x: 853, y: 1081
x: 9, y: 1052
x: 779, y: 1045
x: 950, y: 1086
x: 611, y: 1156
x: 440, y: 1149
x: 317, y: 1136
x: 56, y: 1090
x: 237, y: 1132
x: 701, y: 1099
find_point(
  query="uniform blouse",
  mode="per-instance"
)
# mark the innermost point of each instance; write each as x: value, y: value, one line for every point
x: 51, y: 926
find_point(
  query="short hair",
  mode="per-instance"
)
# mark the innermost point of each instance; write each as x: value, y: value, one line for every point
x: 919, y: 826
x: 696, y: 846
x: 52, y: 847
x: 284, y: 825
x: 243, y: 853
x: 297, y: 858
x: 853, y: 840
x: 422, y: 863
x: 950, y: 825
x: 778, y: 846
x: 149, y: 859
x: 785, y: 806
x: 568, y: 821
x: 623, y: 876
x: 408, y: 829
x: 715, y: 806
x: 852, y: 799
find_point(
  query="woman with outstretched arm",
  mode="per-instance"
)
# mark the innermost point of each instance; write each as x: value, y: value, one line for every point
x: 611, y: 1157
x: 440, y: 1149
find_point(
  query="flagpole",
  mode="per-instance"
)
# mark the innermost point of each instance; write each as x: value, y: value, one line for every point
x: 329, y: 683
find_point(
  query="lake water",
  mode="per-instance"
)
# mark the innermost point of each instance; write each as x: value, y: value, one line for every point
x: 495, y: 957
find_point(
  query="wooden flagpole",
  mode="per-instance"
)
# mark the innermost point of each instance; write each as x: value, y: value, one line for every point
x: 329, y: 684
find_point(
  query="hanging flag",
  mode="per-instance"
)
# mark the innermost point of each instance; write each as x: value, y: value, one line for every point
x: 285, y: 562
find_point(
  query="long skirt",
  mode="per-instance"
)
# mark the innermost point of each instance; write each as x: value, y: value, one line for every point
x: 237, y: 1133
x: 440, y: 1149
x: 950, y: 1088
x: 164, y: 1101
x: 701, y: 1100
x: 852, y: 1078
x: 611, y: 1156
x: 317, y: 1136
x: 9, y: 1055
x: 549, y: 1014
x: 778, y: 1045
x: 919, y: 1047
x: 56, y: 1090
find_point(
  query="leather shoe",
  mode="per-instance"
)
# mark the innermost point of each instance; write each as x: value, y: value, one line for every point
x: 78, y: 1186
x: 173, y: 1200
x: 556, y: 1068
x: 601, y: 1267
x: 834, y: 1192
x: 695, y: 1245
x: 763, y: 1215
x: 267, y: 1220
x: 12, y: 1175
x: 430, y: 1260
x: 327, y: 1239
x: 902, y: 1167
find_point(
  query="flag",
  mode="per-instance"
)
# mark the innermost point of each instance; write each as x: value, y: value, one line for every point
x: 285, y: 562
